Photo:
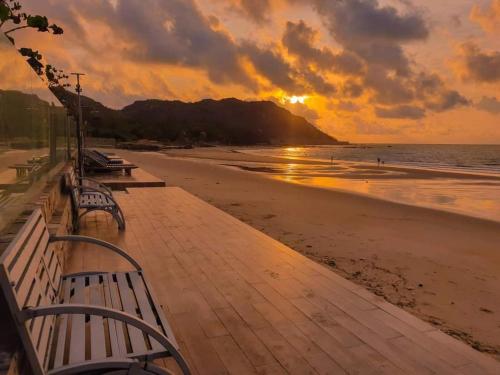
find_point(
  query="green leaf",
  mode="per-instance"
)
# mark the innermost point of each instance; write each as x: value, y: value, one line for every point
x: 4, y: 12
x: 56, y: 30
x: 38, y: 22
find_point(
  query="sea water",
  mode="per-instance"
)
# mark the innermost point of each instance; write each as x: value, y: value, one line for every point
x: 477, y: 195
x: 464, y: 158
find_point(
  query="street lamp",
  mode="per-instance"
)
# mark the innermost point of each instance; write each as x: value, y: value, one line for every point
x: 79, y: 122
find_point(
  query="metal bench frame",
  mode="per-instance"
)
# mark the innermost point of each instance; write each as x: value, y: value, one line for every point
x: 94, y: 161
x: 31, y: 279
x: 93, y: 193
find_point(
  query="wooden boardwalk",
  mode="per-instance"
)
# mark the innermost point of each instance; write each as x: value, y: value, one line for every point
x: 243, y: 303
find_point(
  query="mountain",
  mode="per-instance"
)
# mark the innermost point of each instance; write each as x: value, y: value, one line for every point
x: 25, y: 116
x: 227, y: 121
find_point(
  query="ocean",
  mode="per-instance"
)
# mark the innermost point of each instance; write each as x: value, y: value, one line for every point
x: 352, y: 170
x: 463, y: 158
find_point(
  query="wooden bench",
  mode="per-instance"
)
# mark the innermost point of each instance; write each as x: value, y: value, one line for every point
x: 23, y: 170
x: 43, y: 159
x: 109, y: 157
x: 95, y: 162
x: 89, y: 322
x: 88, y: 195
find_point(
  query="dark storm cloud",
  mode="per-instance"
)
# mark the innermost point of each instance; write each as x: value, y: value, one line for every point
x: 373, y: 32
x: 176, y: 32
x: 449, y: 99
x: 489, y: 104
x: 299, y: 39
x: 318, y: 83
x: 480, y: 66
x: 161, y: 31
x: 352, y: 89
x: 401, y: 112
x: 388, y: 89
x: 376, y: 35
x: 257, y: 10
x: 367, y: 20
x: 272, y: 66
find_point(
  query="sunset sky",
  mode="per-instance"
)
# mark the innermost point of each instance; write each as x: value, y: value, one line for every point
x: 409, y: 71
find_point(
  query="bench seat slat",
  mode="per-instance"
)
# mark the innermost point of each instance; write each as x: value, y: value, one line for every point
x: 31, y: 270
x: 137, y: 340
x: 28, y: 255
x: 63, y: 326
x: 18, y: 242
x: 45, y: 297
x: 144, y: 305
x: 116, y: 304
x: 77, y: 339
x: 97, y: 341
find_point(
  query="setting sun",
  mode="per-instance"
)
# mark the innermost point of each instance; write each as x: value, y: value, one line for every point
x: 297, y: 99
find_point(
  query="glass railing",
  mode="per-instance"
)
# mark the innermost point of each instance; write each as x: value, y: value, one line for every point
x: 36, y: 134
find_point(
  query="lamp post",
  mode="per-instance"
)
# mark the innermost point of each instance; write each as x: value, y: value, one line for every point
x: 79, y: 123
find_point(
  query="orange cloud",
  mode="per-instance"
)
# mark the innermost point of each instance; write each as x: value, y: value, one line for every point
x: 489, y: 17
x: 353, y: 59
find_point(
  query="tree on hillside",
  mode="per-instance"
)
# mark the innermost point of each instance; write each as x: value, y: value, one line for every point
x: 13, y: 18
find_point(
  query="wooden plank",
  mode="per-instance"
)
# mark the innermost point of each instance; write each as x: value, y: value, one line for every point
x: 422, y: 357
x: 77, y: 339
x: 205, y: 358
x: 347, y: 360
x: 40, y: 298
x: 420, y: 339
x: 30, y: 253
x: 282, y: 305
x: 97, y: 340
x: 51, y: 264
x: 234, y: 359
x: 346, y: 338
x: 253, y: 348
x: 488, y: 364
x: 18, y: 243
x: 116, y: 334
x: 137, y: 339
x: 63, y: 327
x: 288, y: 357
x: 144, y: 305
x: 30, y: 271
x: 324, y: 365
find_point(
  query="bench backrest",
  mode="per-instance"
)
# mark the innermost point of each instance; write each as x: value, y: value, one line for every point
x: 74, y: 188
x: 96, y: 158
x: 30, y: 276
x: 72, y: 180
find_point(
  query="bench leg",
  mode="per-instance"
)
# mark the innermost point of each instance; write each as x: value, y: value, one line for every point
x: 115, y: 212
x: 76, y: 221
x: 119, y: 217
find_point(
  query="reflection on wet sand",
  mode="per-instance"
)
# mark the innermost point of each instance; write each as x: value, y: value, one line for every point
x: 470, y: 195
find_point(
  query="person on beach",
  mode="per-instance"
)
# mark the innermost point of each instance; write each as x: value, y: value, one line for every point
x: 378, y: 162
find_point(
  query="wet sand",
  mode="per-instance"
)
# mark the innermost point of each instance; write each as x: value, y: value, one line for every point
x: 440, y: 266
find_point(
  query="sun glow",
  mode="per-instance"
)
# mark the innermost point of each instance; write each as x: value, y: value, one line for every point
x: 297, y: 99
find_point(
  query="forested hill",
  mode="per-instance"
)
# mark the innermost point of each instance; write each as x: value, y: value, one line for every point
x: 227, y: 121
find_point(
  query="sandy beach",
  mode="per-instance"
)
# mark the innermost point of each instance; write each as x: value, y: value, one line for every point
x: 442, y: 267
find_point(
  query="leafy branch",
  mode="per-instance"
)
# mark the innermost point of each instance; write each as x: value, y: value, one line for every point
x: 11, y: 13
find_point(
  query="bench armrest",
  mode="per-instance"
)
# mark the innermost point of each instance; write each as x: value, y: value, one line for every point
x: 94, y: 181
x: 100, y: 243
x: 93, y: 189
x: 78, y: 309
